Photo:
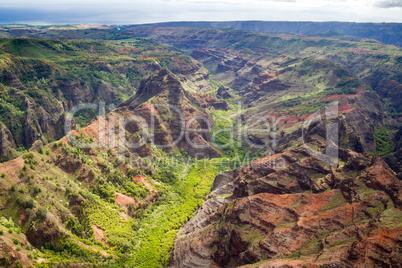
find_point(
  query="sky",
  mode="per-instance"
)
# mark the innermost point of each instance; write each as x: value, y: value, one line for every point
x: 44, y: 12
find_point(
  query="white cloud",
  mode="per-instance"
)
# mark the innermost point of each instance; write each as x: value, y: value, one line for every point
x: 139, y: 11
x: 388, y: 3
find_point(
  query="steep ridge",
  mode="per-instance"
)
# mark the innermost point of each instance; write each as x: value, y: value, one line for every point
x: 175, y: 116
x: 41, y: 80
x: 293, y: 210
x: 287, y: 96
x: 285, y: 79
x: 387, y: 33
x: 88, y: 192
x: 238, y: 55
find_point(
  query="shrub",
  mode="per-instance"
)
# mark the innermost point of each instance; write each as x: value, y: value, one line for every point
x: 7, y: 223
x: 29, y: 155
x: 1, y: 232
x: 8, y: 262
x: 25, y: 203
x: 41, y: 151
x: 15, y: 241
x: 37, y: 190
x: 41, y: 213
x: 28, y: 212
x: 3, y: 175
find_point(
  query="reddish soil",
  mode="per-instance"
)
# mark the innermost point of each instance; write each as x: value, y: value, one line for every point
x: 345, y: 108
x: 148, y: 106
x: 93, y: 249
x: 340, y: 97
x: 124, y: 216
x: 124, y: 200
x: 292, y: 120
x: 47, y: 63
x: 40, y: 260
x: 142, y: 180
x: 145, y: 58
x: 99, y: 233
x: 12, y: 168
x: 266, y: 159
x: 273, y: 115
x: 177, y: 60
x: 125, y: 51
x: 22, y: 218
x: 92, y: 130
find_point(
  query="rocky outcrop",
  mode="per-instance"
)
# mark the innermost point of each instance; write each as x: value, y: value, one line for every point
x: 292, y: 206
x: 41, y: 233
x: 7, y: 143
x: 224, y: 92
x: 174, y: 119
x: 207, y: 101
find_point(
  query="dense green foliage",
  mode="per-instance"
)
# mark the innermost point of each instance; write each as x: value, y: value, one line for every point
x: 383, y: 141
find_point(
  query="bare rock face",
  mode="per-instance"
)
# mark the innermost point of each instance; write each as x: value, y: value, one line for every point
x: 175, y: 119
x: 6, y: 141
x: 207, y: 101
x: 44, y: 232
x: 292, y: 206
x: 193, y: 76
x: 224, y: 92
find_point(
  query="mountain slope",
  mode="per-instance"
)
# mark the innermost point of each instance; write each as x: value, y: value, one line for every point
x: 387, y: 33
x: 292, y: 210
x: 122, y: 189
x: 41, y: 80
x: 126, y: 203
x: 285, y: 78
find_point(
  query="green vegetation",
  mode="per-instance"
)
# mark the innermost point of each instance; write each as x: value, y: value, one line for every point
x: 383, y: 141
x: 55, y: 75
x: 142, y: 240
x: 91, y: 206
x: 178, y: 204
